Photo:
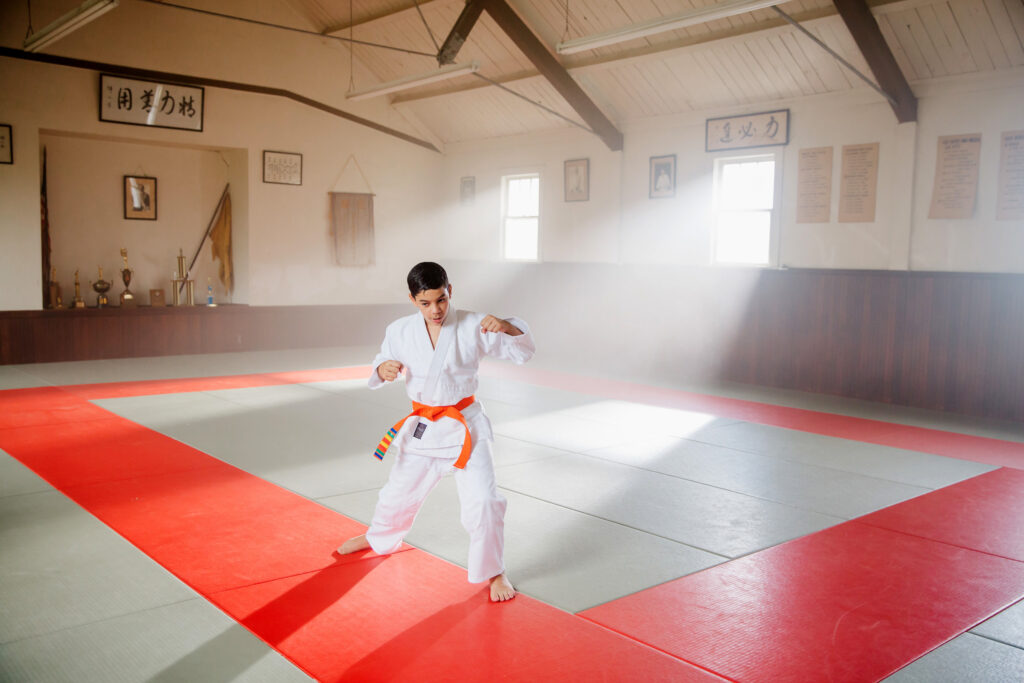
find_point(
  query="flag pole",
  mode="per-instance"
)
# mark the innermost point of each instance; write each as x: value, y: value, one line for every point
x: 213, y: 219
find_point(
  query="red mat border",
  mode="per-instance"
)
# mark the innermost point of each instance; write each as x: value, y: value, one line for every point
x: 980, y: 449
x: 41, y: 409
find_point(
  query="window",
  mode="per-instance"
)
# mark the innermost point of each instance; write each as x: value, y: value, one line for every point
x: 520, y: 216
x: 745, y: 192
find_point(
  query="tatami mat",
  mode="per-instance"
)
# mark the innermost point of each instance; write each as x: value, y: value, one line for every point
x: 816, y: 488
x: 613, y: 494
x: 851, y: 603
x: 186, y: 641
x: 61, y: 568
x: 561, y: 556
x: 965, y: 659
x: 705, y: 517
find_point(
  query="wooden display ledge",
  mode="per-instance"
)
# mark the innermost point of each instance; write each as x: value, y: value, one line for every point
x: 91, y: 333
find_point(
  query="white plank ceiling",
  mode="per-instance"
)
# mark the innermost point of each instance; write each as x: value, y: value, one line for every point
x: 752, y: 58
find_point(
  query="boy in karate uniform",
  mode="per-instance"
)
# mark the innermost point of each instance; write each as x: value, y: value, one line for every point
x: 440, y: 349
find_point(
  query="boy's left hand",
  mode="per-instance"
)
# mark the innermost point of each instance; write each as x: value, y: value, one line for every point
x: 494, y: 324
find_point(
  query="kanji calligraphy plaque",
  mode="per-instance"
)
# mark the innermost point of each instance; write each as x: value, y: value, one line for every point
x: 763, y: 129
x: 149, y: 103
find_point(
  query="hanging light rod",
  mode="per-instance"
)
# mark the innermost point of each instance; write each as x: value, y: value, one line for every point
x: 445, y: 72
x: 73, y: 20
x: 662, y: 24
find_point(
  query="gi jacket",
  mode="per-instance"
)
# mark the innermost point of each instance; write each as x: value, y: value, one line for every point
x: 446, y: 375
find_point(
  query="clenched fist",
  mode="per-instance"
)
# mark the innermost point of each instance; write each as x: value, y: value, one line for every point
x: 493, y: 324
x: 389, y: 370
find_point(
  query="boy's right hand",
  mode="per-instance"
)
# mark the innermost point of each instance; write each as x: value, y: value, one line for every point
x: 388, y: 370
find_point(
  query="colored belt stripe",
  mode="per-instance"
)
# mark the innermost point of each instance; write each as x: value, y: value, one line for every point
x: 433, y: 413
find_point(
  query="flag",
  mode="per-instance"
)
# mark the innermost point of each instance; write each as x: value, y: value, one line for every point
x: 220, y: 244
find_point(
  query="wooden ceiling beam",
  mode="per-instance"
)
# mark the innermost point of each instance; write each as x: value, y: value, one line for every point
x: 862, y: 25
x: 556, y: 74
x: 584, y: 63
x: 408, y: 7
x: 460, y: 31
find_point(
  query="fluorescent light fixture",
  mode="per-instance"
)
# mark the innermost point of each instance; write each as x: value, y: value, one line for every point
x: 662, y: 24
x: 73, y: 20
x: 450, y: 71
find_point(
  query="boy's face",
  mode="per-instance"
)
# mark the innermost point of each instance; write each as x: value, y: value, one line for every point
x: 433, y: 304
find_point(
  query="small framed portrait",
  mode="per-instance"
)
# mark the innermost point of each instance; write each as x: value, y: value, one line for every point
x: 467, y: 190
x: 139, y: 198
x: 577, y: 180
x: 6, y: 144
x: 663, y: 177
x: 282, y: 168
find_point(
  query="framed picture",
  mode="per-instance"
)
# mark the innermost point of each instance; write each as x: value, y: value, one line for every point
x: 467, y: 190
x: 6, y: 144
x: 577, y: 180
x: 139, y: 198
x: 763, y: 129
x: 156, y: 104
x: 282, y: 168
x: 663, y: 177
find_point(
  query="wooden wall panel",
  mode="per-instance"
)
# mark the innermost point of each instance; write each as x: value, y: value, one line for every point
x: 89, y: 334
x: 941, y: 341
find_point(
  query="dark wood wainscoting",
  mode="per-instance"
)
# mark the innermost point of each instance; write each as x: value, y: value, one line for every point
x: 88, y: 334
x: 941, y: 341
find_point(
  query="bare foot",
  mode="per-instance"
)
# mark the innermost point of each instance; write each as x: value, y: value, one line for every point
x: 353, y: 545
x: 501, y: 589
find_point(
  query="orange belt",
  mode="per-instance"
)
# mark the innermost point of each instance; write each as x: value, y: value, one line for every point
x: 433, y: 413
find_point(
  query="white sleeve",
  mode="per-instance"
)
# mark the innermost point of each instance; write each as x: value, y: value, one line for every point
x: 517, y: 349
x: 385, y: 353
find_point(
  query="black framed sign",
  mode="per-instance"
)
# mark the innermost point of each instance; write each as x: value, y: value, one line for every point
x: 151, y: 103
x: 283, y: 168
x: 763, y: 129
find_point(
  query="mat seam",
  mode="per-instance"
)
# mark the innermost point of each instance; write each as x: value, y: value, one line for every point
x: 654, y: 647
x: 623, y: 524
x: 84, y: 624
x: 860, y: 520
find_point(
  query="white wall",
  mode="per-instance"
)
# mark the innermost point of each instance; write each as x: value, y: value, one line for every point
x: 620, y: 224
x: 282, y: 248
x: 88, y: 228
x: 625, y: 287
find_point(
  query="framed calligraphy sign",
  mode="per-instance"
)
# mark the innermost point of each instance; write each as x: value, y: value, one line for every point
x: 763, y: 129
x: 283, y: 168
x: 150, y: 103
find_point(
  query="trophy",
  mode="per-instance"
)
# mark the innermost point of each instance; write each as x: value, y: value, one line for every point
x: 101, y: 287
x: 54, y: 290
x: 127, y: 298
x: 181, y: 278
x: 78, y: 302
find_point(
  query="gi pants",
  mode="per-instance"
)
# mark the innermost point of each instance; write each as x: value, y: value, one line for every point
x: 412, y: 477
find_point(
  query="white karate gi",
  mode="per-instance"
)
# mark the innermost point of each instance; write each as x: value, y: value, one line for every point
x: 420, y: 462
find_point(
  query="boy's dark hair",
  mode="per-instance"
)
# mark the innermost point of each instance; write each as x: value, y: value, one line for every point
x: 426, y: 275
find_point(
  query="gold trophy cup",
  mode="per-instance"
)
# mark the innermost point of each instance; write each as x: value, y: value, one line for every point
x: 101, y: 287
x: 127, y: 298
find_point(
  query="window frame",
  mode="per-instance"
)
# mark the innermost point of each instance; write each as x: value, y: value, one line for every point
x: 774, y: 229
x: 505, y: 178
